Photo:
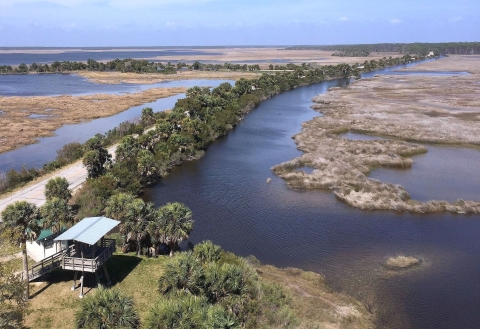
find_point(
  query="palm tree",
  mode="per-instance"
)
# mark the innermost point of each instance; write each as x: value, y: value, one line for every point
x: 58, y: 187
x: 107, y: 309
x: 21, y: 223
x: 56, y: 214
x: 135, y: 227
x: 118, y: 205
x: 174, y: 224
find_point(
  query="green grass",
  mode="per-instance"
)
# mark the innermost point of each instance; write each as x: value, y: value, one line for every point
x: 314, y: 305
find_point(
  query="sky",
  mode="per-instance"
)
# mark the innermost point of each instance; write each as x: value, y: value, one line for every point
x: 73, y: 23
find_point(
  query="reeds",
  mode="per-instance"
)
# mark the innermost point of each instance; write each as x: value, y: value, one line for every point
x: 343, y: 164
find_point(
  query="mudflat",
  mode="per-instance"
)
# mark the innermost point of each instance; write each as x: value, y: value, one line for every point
x: 410, y: 109
x: 18, y: 127
x: 149, y: 78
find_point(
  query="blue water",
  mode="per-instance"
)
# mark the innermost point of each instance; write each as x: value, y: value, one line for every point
x: 434, y: 175
x: 72, y: 84
x: 103, y: 55
x: 235, y: 207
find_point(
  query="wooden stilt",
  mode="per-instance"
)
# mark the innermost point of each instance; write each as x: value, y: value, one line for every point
x: 109, y: 283
x: 74, y: 281
x: 99, y: 284
x: 81, y: 285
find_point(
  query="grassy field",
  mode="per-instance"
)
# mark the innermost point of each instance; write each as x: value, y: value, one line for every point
x: 53, y: 304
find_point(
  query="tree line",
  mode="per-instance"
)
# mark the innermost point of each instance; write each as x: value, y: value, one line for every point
x: 417, y: 48
x: 122, y: 65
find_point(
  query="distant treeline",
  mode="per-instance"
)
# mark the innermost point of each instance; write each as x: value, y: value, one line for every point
x: 122, y: 65
x: 444, y: 48
x: 352, y: 53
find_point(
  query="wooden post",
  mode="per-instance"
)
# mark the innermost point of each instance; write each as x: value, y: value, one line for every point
x: 74, y: 279
x: 109, y: 283
x: 98, y: 280
x: 81, y: 284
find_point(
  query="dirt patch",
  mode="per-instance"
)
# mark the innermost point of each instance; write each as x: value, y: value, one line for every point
x: 442, y: 110
x: 17, y: 128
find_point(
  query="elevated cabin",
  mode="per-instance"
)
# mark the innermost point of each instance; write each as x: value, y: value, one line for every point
x: 84, y: 249
x: 88, y: 250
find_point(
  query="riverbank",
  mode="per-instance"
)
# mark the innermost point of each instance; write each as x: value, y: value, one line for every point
x: 423, y: 109
x: 24, y: 119
x: 312, y: 302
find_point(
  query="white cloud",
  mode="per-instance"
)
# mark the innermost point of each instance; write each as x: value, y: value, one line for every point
x: 395, y: 21
x: 455, y: 19
x: 344, y: 19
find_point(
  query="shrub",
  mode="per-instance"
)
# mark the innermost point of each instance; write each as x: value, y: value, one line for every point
x: 108, y: 309
x: 58, y: 187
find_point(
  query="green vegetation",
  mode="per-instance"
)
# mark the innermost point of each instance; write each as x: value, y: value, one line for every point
x: 58, y: 188
x: 21, y: 224
x: 107, y: 309
x: 351, y: 53
x: 185, y: 132
x: 69, y: 153
x: 12, y: 300
x: 122, y: 65
x: 207, y: 288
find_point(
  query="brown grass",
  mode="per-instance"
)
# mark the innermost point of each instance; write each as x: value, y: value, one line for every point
x: 149, y: 78
x: 313, y: 302
x: 269, y: 54
x: 443, y: 110
x: 452, y: 63
x: 17, y: 129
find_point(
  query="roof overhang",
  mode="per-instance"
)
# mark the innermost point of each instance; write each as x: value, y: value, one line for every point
x: 89, y: 230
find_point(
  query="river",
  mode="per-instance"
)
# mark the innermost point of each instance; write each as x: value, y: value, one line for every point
x: 235, y: 207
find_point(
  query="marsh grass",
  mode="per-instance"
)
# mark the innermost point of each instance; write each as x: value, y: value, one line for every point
x: 384, y: 107
x: 18, y: 129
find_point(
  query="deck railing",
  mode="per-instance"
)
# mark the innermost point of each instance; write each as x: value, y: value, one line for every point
x: 46, y: 265
x: 89, y: 264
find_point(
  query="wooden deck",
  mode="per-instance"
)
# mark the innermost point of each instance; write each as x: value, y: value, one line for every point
x: 70, y: 259
x: 103, y: 250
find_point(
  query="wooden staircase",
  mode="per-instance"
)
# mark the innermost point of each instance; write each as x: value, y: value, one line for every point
x: 46, y: 265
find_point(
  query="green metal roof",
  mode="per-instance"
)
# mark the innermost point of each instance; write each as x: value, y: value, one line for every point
x: 44, y: 234
x: 89, y: 230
